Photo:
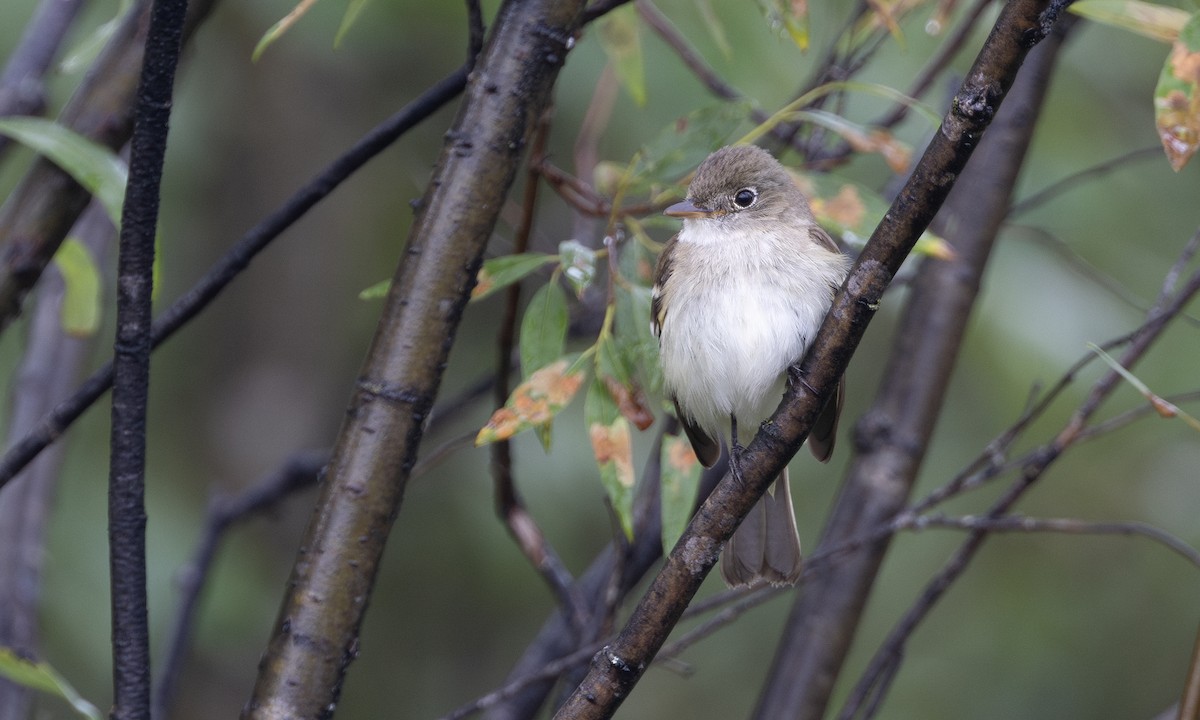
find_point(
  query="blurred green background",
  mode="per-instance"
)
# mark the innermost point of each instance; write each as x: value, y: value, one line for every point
x: 1042, y: 626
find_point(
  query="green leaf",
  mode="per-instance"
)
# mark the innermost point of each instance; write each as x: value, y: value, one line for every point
x: 788, y: 17
x: 633, y: 338
x: 716, y: 29
x: 620, y: 35
x: 612, y: 445
x: 682, y: 145
x: 680, y: 471
x: 82, y: 55
x: 81, y: 300
x: 1157, y: 22
x: 376, y: 291
x: 500, y: 272
x: 277, y: 30
x: 42, y: 677
x: 544, y: 328
x: 91, y: 165
x: 353, y: 8
x: 1177, y: 97
x: 578, y: 263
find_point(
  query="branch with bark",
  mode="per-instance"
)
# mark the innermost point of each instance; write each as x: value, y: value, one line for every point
x: 617, y: 668
x: 316, y: 634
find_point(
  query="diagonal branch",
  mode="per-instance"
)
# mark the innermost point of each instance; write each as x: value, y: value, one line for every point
x: 894, y: 433
x: 616, y: 669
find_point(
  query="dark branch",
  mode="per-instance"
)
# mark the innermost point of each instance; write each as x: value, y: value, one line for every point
x: 617, y: 668
x: 131, y: 365
x: 235, y: 261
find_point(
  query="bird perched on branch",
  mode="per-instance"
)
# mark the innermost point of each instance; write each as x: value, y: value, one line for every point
x: 739, y: 293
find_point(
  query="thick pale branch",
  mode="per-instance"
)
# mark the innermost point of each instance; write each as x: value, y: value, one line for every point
x: 316, y: 634
x: 616, y: 669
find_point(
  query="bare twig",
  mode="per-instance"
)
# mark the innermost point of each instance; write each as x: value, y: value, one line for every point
x: 299, y: 472
x: 892, y: 436
x: 46, y: 203
x: 509, y: 505
x: 235, y: 260
x: 1074, y: 180
x: 666, y: 30
x: 1069, y: 526
x: 334, y: 572
x: 937, y: 64
x: 875, y: 681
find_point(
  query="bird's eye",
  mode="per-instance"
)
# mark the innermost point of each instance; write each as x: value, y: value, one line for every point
x: 745, y: 198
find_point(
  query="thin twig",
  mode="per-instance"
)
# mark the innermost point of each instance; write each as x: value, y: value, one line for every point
x: 1069, y: 526
x: 1075, y: 179
x: 875, y: 680
x: 299, y: 472
x: 234, y: 261
x: 510, y: 507
x: 666, y: 30
x: 936, y: 64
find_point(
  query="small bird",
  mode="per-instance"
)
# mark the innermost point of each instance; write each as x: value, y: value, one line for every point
x: 738, y: 295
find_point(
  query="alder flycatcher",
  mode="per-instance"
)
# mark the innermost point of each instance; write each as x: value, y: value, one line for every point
x: 738, y: 295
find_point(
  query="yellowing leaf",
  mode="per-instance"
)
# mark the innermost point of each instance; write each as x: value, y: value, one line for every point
x: 1157, y: 22
x: 895, y: 153
x: 534, y: 402
x: 680, y: 472
x: 612, y: 446
x: 620, y: 35
x: 846, y: 208
x: 631, y: 402
x: 500, y: 272
x: 1177, y: 97
x: 81, y: 297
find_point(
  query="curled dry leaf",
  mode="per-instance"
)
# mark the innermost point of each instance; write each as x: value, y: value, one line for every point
x: 1177, y: 97
x: 631, y: 401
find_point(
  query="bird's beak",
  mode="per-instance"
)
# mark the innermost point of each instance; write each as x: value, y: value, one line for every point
x: 686, y: 209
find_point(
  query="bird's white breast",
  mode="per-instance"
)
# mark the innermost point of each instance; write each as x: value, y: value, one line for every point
x: 742, y: 307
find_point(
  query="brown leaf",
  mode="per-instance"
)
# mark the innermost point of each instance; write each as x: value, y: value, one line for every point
x: 630, y: 401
